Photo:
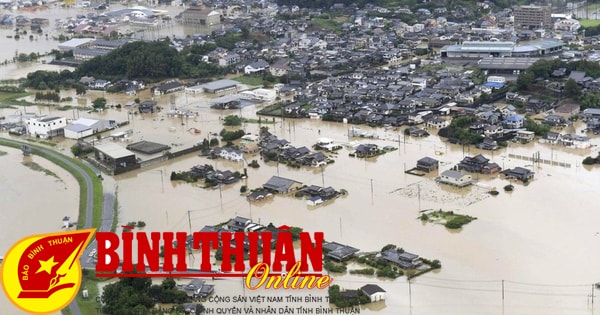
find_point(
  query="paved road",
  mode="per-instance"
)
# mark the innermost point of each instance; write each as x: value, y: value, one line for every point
x: 107, y: 208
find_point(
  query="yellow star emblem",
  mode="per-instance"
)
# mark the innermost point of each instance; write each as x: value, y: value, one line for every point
x: 47, y: 265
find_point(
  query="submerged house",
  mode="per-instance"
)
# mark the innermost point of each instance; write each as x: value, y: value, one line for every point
x: 197, y: 288
x: 455, y: 178
x: 366, y: 150
x: 339, y: 252
x: 473, y: 164
x: 281, y: 185
x: 427, y: 164
x: 518, y: 173
x: 374, y: 292
x: 404, y: 260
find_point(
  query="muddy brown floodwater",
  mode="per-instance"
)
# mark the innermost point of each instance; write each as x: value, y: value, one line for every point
x: 534, y: 250
x: 32, y: 202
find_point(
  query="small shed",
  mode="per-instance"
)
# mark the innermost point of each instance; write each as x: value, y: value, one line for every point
x: 114, y: 155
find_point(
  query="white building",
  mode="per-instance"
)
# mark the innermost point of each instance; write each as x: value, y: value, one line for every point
x: 76, y: 43
x: 84, y: 127
x: 455, y: 178
x: 496, y: 79
x: 264, y: 95
x: 231, y: 154
x: 45, y: 127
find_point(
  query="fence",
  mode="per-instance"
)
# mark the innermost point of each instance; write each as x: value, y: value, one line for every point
x: 536, y: 159
x: 170, y: 156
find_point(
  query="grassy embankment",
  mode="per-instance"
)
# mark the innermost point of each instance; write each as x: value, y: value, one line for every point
x: 589, y: 23
x: 8, y: 99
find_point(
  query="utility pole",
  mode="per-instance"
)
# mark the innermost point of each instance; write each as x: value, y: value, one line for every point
x: 221, y: 197
x: 323, y: 176
x: 502, y: 290
x: 190, y: 221
x: 371, y: 191
x: 162, y: 181
x: 409, y: 294
x: 419, y: 195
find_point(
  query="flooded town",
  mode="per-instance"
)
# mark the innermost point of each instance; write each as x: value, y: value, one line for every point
x: 447, y: 152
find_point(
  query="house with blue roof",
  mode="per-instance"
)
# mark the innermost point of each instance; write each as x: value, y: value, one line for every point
x: 514, y: 122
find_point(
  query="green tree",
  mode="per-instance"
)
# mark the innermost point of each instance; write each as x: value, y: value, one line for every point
x: 99, y: 103
x: 22, y: 57
x: 124, y: 296
x: 232, y: 120
x: 80, y: 89
x: 525, y: 79
x: 572, y: 89
x: 590, y: 100
x: 245, y: 31
x: 538, y: 129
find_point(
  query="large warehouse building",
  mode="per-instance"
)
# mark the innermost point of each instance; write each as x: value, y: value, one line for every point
x: 506, y: 65
x: 502, y: 49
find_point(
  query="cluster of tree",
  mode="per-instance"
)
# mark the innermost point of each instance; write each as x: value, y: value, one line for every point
x: 538, y: 129
x: 332, y: 266
x: 22, y: 57
x: 79, y: 149
x: 228, y: 41
x: 383, y: 268
x: 254, y: 164
x: 364, y: 271
x: 590, y: 100
x: 231, y: 135
x: 572, y: 89
x: 134, y: 295
x: 11, y: 89
x: 232, y: 120
x: 151, y: 61
x: 136, y: 60
x: 591, y: 160
x: 59, y: 55
x: 99, y: 103
x: 47, y: 96
x: 591, y: 30
x: 42, y: 80
x: 205, y: 145
x: 188, y: 177
x: 336, y: 297
x: 543, y: 69
x: 459, y: 129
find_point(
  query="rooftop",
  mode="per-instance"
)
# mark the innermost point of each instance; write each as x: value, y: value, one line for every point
x: 147, y: 147
x: 220, y: 84
x: 113, y: 150
x: 506, y: 63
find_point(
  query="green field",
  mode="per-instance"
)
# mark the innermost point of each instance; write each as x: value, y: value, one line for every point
x: 329, y: 24
x: 589, y: 23
x: 250, y: 80
x: 12, y: 97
